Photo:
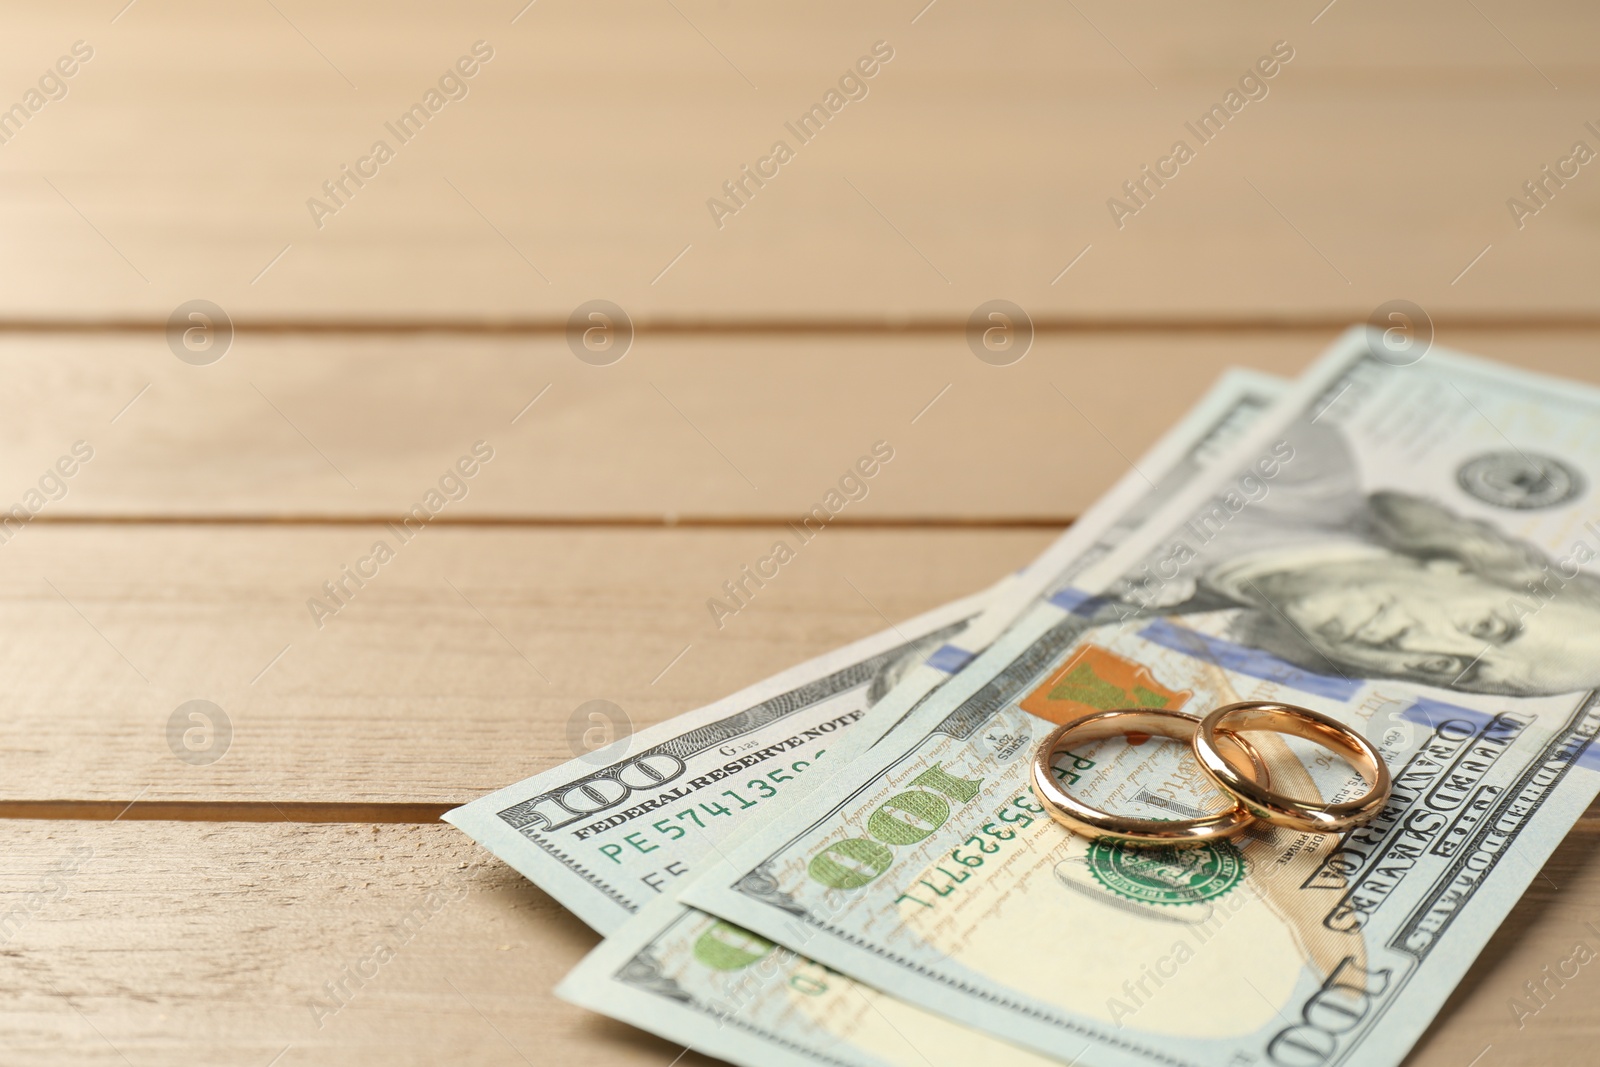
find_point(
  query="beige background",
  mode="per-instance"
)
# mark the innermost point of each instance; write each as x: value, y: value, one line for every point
x: 769, y: 354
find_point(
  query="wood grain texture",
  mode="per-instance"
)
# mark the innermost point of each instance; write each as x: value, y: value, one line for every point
x: 452, y: 673
x: 160, y: 944
x: 206, y: 944
x: 181, y: 161
x: 682, y: 428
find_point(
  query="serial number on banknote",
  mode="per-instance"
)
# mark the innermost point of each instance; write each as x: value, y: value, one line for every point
x: 674, y: 827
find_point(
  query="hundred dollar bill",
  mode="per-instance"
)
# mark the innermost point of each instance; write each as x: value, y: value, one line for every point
x: 728, y: 993
x: 1409, y: 548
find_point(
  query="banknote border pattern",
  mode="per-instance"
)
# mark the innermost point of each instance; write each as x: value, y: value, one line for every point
x: 1579, y: 731
x: 1564, y: 747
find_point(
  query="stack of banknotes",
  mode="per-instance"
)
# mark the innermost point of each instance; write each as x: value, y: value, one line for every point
x: 845, y: 865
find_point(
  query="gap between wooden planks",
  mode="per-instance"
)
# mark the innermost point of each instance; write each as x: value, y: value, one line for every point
x: 289, y: 811
x: 599, y: 522
x: 779, y: 326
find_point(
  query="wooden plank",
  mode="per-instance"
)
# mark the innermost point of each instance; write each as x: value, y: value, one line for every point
x: 188, y: 943
x: 689, y: 428
x: 452, y: 673
x: 580, y: 164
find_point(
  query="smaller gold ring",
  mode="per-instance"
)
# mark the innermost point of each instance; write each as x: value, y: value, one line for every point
x: 1092, y: 822
x: 1296, y: 721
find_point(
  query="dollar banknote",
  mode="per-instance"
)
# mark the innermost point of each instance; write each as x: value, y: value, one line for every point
x: 708, y: 984
x: 1409, y: 547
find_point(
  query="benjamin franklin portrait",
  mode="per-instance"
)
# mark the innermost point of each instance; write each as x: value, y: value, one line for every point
x: 1386, y: 584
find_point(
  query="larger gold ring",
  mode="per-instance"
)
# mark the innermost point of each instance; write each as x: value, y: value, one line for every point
x: 1275, y: 808
x: 1092, y: 822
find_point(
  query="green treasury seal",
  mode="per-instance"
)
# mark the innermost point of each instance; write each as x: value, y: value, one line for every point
x: 1166, y: 875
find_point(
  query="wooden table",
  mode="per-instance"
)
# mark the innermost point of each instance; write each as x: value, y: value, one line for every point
x: 158, y: 911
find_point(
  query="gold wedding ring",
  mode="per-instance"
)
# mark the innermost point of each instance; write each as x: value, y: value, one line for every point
x: 1092, y: 822
x: 1259, y: 800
